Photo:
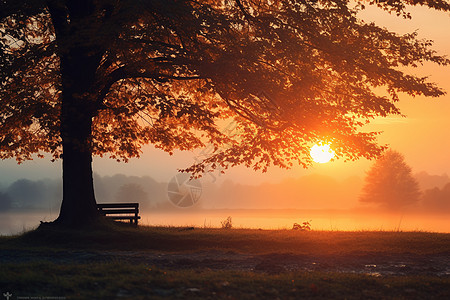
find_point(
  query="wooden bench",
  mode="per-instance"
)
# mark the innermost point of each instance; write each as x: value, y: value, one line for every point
x: 120, y: 211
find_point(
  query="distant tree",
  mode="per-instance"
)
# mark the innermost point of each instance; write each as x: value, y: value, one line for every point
x: 390, y: 183
x: 5, y: 201
x: 96, y: 77
x: 437, y: 199
x: 27, y: 193
x: 132, y: 192
x: 427, y: 181
x: 103, y: 191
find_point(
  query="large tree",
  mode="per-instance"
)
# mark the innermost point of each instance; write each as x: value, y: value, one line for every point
x: 102, y: 77
x: 389, y: 182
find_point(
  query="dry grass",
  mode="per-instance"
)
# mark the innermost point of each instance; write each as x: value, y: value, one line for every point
x: 174, y: 239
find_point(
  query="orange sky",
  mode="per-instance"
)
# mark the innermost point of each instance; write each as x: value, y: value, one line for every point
x: 423, y: 137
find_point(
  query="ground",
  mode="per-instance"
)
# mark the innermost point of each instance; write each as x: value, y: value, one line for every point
x: 374, y: 264
x: 180, y: 263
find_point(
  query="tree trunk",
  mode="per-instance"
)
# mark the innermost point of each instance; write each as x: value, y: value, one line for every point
x: 78, y: 205
x: 79, y: 56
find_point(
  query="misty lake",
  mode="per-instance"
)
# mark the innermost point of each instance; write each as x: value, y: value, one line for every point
x: 15, y: 222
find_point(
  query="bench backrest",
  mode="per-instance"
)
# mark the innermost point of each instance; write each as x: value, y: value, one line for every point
x: 118, y: 208
x: 118, y: 205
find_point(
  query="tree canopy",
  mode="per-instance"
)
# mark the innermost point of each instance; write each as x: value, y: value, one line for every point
x: 289, y: 72
x: 103, y: 77
x: 390, y: 183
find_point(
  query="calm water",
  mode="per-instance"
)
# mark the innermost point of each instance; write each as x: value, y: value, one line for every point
x: 17, y: 222
x: 319, y: 220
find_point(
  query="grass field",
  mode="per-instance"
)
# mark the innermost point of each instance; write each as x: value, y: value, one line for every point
x: 124, y: 237
x: 120, y: 262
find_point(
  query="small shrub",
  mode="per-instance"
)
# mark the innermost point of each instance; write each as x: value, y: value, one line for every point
x: 227, y: 224
x: 305, y: 226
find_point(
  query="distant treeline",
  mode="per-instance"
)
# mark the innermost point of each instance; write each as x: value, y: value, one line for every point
x: 435, y: 192
x: 322, y: 192
x: 307, y: 192
x: 46, y: 194
x: 28, y: 194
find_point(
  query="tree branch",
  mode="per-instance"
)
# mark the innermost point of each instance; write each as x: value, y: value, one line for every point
x: 58, y: 13
x: 245, y: 12
x: 125, y: 73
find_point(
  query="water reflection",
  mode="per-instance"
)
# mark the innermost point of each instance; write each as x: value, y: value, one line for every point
x: 16, y: 222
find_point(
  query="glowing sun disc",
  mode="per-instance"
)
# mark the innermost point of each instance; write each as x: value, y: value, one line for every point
x: 321, y: 154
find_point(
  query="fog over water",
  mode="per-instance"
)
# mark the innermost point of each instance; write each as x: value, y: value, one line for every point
x: 327, y: 203
x: 17, y: 222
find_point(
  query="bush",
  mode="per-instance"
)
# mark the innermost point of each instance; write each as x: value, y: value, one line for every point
x: 306, y: 226
x: 227, y: 224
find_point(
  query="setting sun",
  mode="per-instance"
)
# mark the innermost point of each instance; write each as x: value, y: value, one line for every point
x: 321, y: 154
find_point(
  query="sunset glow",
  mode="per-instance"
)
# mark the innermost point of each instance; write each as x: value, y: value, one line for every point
x: 321, y: 153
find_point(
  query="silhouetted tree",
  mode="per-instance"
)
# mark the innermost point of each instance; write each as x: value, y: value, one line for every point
x: 390, y: 183
x: 95, y: 77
